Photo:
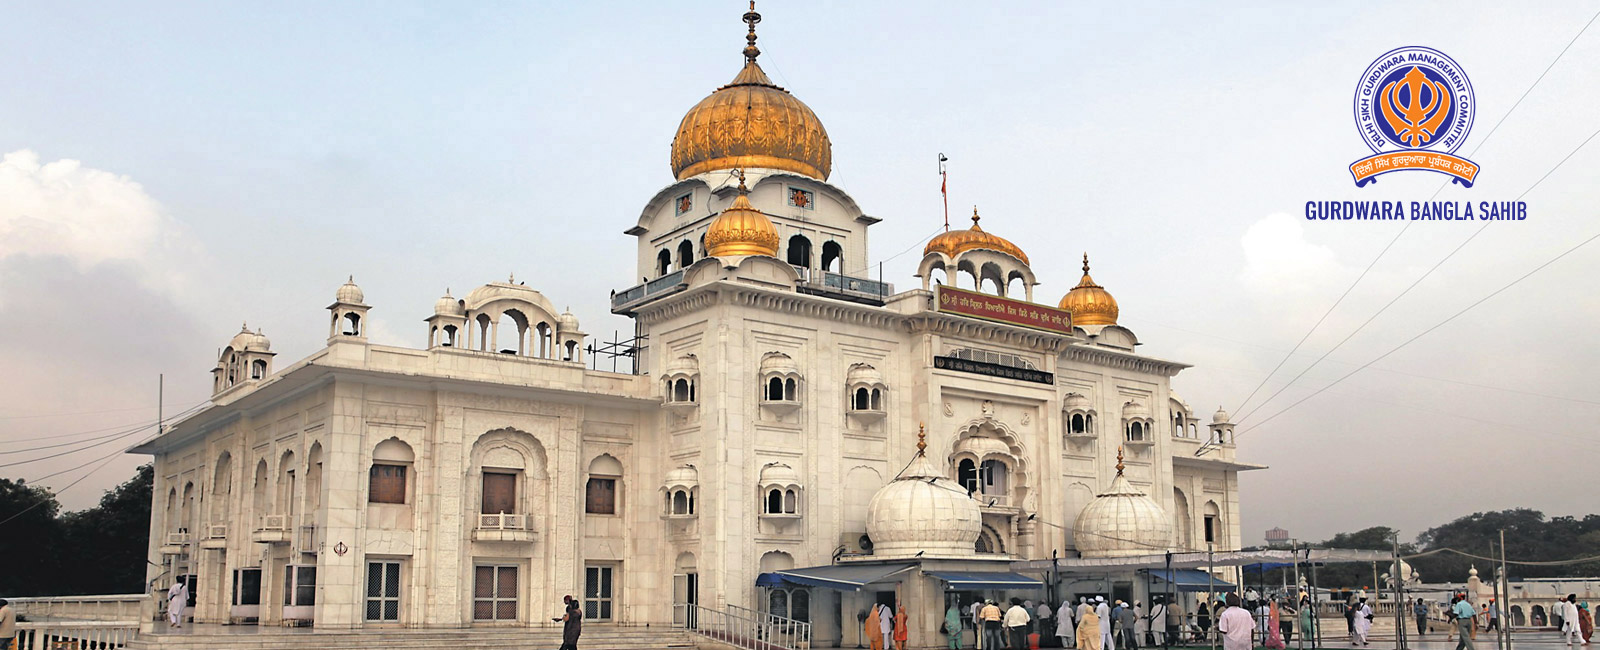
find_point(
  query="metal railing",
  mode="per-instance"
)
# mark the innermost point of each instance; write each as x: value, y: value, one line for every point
x: 79, y: 635
x: 743, y: 628
x: 502, y: 521
x: 642, y: 292
x: 274, y: 522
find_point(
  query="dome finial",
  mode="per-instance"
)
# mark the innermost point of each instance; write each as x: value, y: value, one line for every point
x: 751, y: 18
x: 922, y: 438
x: 975, y: 216
x: 740, y: 172
x: 1085, y: 263
x: 1119, y: 460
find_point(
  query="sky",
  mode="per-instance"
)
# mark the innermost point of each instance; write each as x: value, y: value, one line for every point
x: 173, y: 170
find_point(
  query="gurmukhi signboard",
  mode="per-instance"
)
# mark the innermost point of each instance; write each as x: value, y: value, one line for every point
x: 1004, y: 310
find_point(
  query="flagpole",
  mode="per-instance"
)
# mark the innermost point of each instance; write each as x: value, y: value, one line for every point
x: 944, y: 190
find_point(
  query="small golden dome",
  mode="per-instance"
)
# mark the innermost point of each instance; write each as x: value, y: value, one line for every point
x: 741, y: 229
x: 751, y: 122
x: 955, y: 242
x: 1089, y: 303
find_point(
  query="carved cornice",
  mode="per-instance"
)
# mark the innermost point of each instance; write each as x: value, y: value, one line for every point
x: 1113, y: 359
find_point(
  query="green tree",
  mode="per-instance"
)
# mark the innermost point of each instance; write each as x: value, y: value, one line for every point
x: 29, y: 540
x: 116, y: 533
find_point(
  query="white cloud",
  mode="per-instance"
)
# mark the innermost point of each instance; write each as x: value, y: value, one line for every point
x: 88, y: 216
x: 1280, y: 262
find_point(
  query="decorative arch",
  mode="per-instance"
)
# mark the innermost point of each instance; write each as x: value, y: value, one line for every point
x: 799, y: 251
x: 989, y: 541
x: 832, y: 256
x: 515, y: 454
x: 776, y: 561
x: 1183, y: 521
x: 1014, y: 454
x: 1079, y: 496
x: 686, y: 562
x: 222, y: 488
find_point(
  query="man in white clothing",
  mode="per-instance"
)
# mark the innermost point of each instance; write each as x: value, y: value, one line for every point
x: 1235, y: 625
x: 1158, y: 622
x: 1569, y: 619
x: 1363, y: 624
x: 1064, y: 628
x: 1107, y: 641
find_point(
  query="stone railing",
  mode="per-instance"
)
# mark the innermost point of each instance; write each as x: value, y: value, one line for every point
x: 78, y: 621
x: 75, y: 634
x: 121, y: 607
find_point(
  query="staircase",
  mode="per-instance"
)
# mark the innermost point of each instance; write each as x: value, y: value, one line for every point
x: 252, y: 638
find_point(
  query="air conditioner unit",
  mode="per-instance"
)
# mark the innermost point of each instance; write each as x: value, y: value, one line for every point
x: 855, y: 544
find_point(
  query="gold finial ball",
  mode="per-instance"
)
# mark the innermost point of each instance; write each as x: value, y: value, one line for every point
x: 922, y: 438
x: 741, y: 229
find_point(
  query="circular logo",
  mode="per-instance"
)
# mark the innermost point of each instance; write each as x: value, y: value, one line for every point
x: 1414, y: 98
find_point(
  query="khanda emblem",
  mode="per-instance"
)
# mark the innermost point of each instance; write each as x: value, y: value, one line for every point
x: 1413, y: 122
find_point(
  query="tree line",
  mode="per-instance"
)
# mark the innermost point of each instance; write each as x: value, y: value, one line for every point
x: 100, y: 550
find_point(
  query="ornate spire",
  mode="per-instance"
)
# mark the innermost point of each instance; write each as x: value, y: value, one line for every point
x: 975, y: 218
x: 740, y: 172
x: 922, y: 439
x: 751, y: 18
x: 1086, y: 263
x: 1119, y: 460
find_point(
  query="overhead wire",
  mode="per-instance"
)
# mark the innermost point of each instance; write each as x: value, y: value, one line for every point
x: 104, y: 460
x: 1397, y: 237
x: 95, y: 442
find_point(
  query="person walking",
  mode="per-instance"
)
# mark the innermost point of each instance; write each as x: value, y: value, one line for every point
x: 1157, y: 622
x: 1101, y: 609
x: 900, y: 627
x: 1088, y: 629
x: 1274, y: 630
x: 1202, y: 620
x: 1585, y: 622
x: 1041, y: 619
x: 952, y: 625
x: 177, y: 600
x: 871, y: 629
x: 1464, y: 614
x: 1064, y: 630
x: 1569, y: 619
x: 571, y: 623
x: 993, y: 634
x: 1363, y: 623
x: 1128, y: 620
x: 1419, y: 610
x: 1350, y: 618
x: 1493, y: 610
x: 8, y: 623
x: 977, y: 624
x: 1308, y: 619
x: 886, y: 626
x: 1236, y: 625
x: 1017, y: 619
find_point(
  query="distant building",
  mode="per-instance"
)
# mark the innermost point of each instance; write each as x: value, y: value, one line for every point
x: 1277, y: 536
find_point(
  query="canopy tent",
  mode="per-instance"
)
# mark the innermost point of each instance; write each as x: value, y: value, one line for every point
x: 1188, y: 580
x: 1200, y: 560
x: 974, y: 580
x: 769, y: 580
x: 843, y: 577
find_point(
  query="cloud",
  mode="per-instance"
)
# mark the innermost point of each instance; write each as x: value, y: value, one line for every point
x: 1280, y: 262
x: 89, y: 217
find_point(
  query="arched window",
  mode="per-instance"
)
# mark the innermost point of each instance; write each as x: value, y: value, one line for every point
x: 680, y: 391
x: 789, y: 389
x: 877, y: 399
x: 831, y: 254
x: 799, y: 251
x: 774, y: 501
x: 511, y: 333
x: 992, y: 475
x: 967, y: 475
x: 775, y: 389
x: 1079, y: 424
x: 789, y: 500
x: 258, y: 369
x: 682, y: 504
x: 542, y: 331
x: 605, y: 473
x: 352, y: 324
x: 449, y: 336
x: 685, y: 254
x: 1136, y: 432
x: 863, y: 399
x: 663, y: 262
x: 483, y: 332
x: 387, y: 478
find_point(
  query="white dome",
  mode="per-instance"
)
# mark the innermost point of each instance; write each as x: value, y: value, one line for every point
x: 921, y: 510
x: 568, y: 322
x: 1076, y: 401
x: 258, y: 343
x: 687, y: 364
x: 349, y: 293
x: 684, y: 476
x: 495, y: 291
x: 1220, y: 417
x: 447, y: 305
x: 779, y: 363
x: 982, y: 447
x: 861, y: 373
x: 1135, y: 410
x: 1122, y: 522
x: 779, y: 474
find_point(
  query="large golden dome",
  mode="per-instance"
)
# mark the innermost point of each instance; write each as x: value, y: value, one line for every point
x: 741, y: 229
x: 955, y: 242
x: 751, y: 123
x: 1089, y: 303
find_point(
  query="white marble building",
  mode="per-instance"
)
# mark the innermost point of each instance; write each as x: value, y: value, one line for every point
x: 475, y: 479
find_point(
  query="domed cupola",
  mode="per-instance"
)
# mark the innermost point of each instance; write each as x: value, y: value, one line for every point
x: 955, y: 242
x: 751, y: 123
x: 448, y: 305
x: 922, y: 510
x: 1089, y: 303
x: 1121, y: 522
x: 741, y: 229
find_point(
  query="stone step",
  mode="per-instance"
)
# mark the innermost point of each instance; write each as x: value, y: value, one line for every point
x: 400, y: 639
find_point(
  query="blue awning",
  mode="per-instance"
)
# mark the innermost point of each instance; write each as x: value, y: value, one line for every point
x: 967, y: 580
x: 843, y: 577
x: 1191, y: 580
x: 769, y: 580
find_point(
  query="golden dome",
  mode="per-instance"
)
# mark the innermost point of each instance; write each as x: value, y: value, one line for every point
x: 1089, y: 303
x: 955, y: 242
x: 741, y: 229
x: 751, y: 122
